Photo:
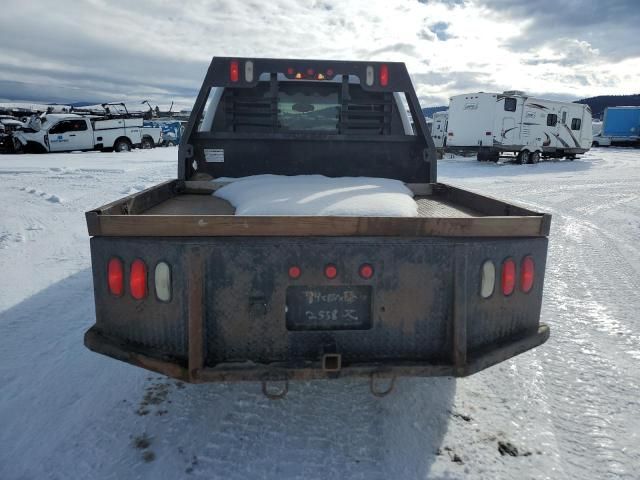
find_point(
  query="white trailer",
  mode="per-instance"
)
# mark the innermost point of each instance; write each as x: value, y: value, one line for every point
x: 67, y: 132
x: 493, y: 124
x: 439, y: 129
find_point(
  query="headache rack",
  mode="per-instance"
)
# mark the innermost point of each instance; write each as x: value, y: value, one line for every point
x: 367, y: 138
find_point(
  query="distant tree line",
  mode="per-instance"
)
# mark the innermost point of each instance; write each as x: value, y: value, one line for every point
x: 428, y: 112
x: 599, y: 103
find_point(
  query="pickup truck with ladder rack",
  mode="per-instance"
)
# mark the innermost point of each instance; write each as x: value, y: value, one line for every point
x: 185, y: 287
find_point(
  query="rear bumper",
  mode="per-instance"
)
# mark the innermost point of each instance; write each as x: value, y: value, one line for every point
x: 249, y: 371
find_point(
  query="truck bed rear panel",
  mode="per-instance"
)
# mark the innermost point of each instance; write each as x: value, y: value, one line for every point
x: 244, y: 303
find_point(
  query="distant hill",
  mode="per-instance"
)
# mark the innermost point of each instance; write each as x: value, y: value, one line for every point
x: 428, y: 112
x: 599, y: 103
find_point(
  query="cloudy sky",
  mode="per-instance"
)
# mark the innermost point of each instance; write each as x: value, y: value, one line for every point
x: 108, y: 50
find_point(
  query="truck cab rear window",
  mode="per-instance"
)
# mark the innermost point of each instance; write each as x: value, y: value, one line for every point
x: 290, y: 107
x: 302, y: 111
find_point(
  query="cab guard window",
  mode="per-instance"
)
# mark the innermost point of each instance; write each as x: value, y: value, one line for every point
x: 284, y: 107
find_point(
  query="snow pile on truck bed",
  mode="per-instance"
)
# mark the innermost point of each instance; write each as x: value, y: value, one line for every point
x: 318, y: 195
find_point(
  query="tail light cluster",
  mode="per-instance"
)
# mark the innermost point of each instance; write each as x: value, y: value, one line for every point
x: 308, y: 73
x: 138, y: 279
x: 508, y: 276
x: 331, y: 271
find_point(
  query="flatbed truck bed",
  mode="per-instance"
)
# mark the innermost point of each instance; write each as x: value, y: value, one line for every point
x: 185, y: 287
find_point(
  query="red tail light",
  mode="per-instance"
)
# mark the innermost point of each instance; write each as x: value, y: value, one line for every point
x: 527, y: 274
x: 384, y: 75
x: 234, y: 71
x: 508, y: 276
x: 138, y: 280
x: 115, y: 276
x: 294, y: 272
x: 366, y: 271
x: 330, y: 271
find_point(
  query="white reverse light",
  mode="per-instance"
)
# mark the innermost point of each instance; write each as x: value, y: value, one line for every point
x: 488, y: 281
x: 163, y: 282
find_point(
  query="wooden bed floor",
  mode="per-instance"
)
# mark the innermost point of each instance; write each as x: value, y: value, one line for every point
x: 206, y: 204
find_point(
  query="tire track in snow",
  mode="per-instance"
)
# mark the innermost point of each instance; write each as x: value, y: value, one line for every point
x: 586, y: 368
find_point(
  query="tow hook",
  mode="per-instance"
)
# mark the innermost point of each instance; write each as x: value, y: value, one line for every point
x: 275, y: 387
x: 374, y: 388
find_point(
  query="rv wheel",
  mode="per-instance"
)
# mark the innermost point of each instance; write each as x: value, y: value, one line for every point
x: 534, y: 157
x: 522, y: 157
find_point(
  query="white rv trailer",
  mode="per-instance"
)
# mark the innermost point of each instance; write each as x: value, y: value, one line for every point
x: 439, y: 129
x: 492, y: 124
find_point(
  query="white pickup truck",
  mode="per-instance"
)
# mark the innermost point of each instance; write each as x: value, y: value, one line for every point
x: 66, y: 132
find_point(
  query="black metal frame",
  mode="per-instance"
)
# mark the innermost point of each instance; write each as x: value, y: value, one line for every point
x: 414, y: 162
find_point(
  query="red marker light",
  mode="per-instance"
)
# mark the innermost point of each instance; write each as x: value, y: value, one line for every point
x: 384, y: 75
x: 366, y: 271
x: 290, y: 71
x: 508, y: 276
x: 330, y: 271
x: 234, y: 71
x: 115, y: 276
x: 527, y: 274
x: 310, y: 72
x: 294, y: 272
x: 138, y: 280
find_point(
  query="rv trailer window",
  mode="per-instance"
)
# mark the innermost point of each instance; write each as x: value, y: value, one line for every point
x: 552, y: 120
x: 576, y: 123
x: 509, y: 104
x: 564, y: 118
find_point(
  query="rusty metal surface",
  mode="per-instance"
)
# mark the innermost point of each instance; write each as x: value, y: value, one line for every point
x: 229, y: 302
x: 433, y: 206
x: 208, y: 204
x: 282, y: 372
x: 195, y: 282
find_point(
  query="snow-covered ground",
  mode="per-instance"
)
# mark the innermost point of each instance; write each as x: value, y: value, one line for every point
x: 571, y: 408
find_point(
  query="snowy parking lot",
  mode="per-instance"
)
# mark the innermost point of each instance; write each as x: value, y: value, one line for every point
x: 569, y: 409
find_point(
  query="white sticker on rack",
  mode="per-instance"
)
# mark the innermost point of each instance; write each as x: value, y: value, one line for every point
x: 214, y: 155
